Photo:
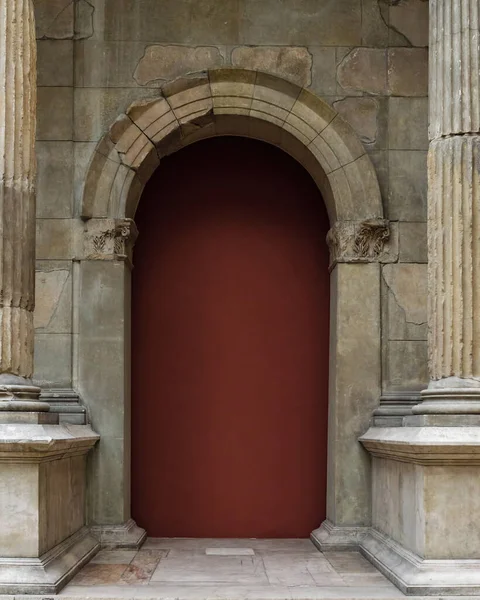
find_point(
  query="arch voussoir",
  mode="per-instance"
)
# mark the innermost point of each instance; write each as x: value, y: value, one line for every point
x: 232, y: 101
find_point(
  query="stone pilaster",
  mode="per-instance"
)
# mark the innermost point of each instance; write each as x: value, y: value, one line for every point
x: 454, y: 209
x: 17, y: 204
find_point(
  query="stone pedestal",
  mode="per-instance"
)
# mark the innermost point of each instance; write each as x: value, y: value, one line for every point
x: 422, y: 539
x: 44, y: 540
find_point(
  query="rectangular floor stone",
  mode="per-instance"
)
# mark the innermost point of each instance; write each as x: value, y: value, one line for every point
x: 190, y: 568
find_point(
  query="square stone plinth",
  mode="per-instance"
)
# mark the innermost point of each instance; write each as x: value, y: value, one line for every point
x: 44, y: 540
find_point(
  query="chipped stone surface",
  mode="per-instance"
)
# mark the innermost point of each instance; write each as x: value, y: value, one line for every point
x: 361, y: 114
x: 291, y: 62
x: 365, y: 70
x: 161, y: 63
x: 396, y: 71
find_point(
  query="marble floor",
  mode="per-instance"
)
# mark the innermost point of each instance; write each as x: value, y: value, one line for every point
x: 229, y: 570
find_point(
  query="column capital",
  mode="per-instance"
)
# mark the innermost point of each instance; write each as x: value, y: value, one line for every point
x: 360, y: 242
x: 110, y: 239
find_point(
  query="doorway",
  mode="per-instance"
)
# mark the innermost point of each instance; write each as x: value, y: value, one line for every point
x: 230, y: 316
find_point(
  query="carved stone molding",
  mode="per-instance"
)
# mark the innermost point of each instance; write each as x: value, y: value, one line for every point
x: 110, y: 239
x: 360, y: 242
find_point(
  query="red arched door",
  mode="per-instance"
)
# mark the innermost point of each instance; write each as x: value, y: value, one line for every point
x: 230, y: 345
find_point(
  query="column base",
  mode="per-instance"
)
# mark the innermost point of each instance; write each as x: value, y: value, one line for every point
x: 18, y: 394
x: 415, y: 576
x: 49, y: 573
x: 128, y: 535
x: 450, y: 396
x: 330, y: 537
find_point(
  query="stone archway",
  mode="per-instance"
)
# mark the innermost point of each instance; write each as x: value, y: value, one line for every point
x: 264, y: 107
x: 232, y: 102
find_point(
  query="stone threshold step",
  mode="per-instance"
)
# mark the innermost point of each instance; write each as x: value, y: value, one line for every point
x: 364, y: 593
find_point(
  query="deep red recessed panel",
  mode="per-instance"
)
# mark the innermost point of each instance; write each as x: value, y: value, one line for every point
x: 230, y: 346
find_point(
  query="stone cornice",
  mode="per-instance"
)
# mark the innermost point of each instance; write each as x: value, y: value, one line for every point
x: 425, y: 445
x: 22, y: 443
x: 360, y: 242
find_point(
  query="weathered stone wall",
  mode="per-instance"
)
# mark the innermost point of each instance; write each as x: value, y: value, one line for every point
x: 367, y: 58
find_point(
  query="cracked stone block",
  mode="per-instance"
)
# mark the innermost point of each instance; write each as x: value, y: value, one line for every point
x: 413, y: 242
x: 293, y: 63
x: 324, y: 69
x: 55, y: 63
x: 410, y: 19
x: 54, y: 19
x: 407, y: 197
x: 53, y: 308
x: 283, y: 22
x: 55, y: 179
x: 404, y: 318
x: 375, y: 30
x: 362, y: 115
x: 408, y: 124
x: 161, y: 63
x: 364, y: 70
x: 408, y: 284
x: 55, y: 113
x: 408, y: 71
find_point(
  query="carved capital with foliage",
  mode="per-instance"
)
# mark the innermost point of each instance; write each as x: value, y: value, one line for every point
x: 110, y: 239
x: 359, y: 242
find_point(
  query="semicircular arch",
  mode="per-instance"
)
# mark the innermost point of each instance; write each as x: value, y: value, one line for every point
x: 232, y: 102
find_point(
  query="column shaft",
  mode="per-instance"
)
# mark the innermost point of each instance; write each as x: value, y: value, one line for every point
x: 17, y: 197
x: 454, y: 209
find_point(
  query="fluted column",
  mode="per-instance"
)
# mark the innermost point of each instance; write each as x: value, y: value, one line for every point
x: 454, y: 209
x: 17, y: 204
